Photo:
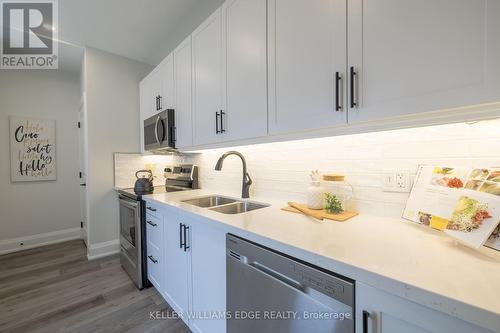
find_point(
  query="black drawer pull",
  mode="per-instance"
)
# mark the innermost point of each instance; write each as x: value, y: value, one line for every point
x: 338, y: 80
x: 217, y: 131
x: 222, y: 114
x: 151, y: 223
x: 353, y: 87
x: 181, y: 227
x: 153, y: 259
x: 186, y: 246
x: 366, y: 315
x: 151, y: 209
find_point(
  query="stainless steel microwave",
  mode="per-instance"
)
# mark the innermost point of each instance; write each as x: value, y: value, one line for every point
x: 159, y: 132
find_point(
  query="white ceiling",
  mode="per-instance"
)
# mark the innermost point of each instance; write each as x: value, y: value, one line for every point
x: 144, y: 30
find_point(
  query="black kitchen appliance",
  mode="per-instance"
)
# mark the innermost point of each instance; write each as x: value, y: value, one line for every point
x: 144, y: 184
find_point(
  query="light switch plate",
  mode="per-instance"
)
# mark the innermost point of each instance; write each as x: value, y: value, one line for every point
x: 396, y: 181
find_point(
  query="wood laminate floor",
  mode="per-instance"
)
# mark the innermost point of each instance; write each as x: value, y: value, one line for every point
x: 56, y: 289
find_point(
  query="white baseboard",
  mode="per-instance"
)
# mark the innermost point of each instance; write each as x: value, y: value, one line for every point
x: 29, y: 242
x: 99, y: 250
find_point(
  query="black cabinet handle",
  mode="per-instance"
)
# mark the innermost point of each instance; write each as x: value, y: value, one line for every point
x: 338, y: 80
x: 181, y: 227
x: 186, y: 246
x: 353, y: 87
x: 160, y: 98
x: 222, y: 113
x: 217, y: 131
x: 152, y: 224
x: 153, y: 259
x: 151, y: 209
x: 366, y: 315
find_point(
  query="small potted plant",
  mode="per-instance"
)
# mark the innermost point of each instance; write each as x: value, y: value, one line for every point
x: 333, y: 205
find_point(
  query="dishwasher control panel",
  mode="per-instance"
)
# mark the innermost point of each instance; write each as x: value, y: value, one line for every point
x: 320, y: 281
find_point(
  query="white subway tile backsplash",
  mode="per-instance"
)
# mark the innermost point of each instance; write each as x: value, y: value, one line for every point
x: 126, y: 166
x: 281, y: 170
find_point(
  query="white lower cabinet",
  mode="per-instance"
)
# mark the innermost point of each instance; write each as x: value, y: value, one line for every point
x: 155, y: 263
x: 177, y: 263
x: 380, y: 312
x: 208, y: 263
x: 187, y: 265
x: 191, y: 271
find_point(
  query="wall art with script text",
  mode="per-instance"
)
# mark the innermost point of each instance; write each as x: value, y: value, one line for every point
x: 32, y: 149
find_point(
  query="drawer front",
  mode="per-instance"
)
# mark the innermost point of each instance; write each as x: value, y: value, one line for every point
x: 154, y: 262
x: 153, y: 209
x: 154, y: 230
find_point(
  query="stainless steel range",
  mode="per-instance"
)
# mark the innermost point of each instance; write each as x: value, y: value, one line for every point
x: 133, y: 253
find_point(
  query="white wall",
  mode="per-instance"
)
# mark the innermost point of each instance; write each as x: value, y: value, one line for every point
x: 281, y: 170
x: 28, y: 209
x: 112, y: 103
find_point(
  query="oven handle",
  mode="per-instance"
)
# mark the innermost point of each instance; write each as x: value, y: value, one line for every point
x: 131, y: 204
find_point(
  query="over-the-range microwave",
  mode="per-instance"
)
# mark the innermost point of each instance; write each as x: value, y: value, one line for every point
x: 159, y: 132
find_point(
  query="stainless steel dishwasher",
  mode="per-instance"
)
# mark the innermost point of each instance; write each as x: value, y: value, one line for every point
x: 270, y: 292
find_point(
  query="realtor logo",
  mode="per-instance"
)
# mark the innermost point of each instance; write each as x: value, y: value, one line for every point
x: 29, y: 34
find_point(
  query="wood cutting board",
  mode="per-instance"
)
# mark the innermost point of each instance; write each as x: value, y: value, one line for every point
x: 321, y: 214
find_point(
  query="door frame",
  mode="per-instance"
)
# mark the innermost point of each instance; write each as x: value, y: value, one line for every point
x: 83, y: 167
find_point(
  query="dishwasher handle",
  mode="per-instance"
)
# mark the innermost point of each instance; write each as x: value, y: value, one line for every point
x: 280, y: 277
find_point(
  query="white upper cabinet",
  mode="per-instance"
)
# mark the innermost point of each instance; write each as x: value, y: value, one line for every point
x: 166, y: 73
x: 155, y: 83
x: 266, y: 67
x: 307, y: 48
x: 158, y: 89
x: 149, y: 89
x: 416, y: 56
x: 208, y: 80
x: 245, y: 115
x: 144, y: 107
x: 156, y: 93
x: 182, y: 94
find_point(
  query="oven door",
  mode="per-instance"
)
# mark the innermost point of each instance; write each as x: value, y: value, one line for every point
x: 130, y: 239
x: 130, y: 217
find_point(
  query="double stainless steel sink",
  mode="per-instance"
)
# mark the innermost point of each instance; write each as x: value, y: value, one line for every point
x: 225, y: 205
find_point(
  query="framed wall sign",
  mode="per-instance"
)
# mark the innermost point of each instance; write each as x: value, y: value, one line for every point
x: 32, y: 149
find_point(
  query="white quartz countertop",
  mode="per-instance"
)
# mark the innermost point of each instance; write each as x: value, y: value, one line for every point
x: 397, y: 256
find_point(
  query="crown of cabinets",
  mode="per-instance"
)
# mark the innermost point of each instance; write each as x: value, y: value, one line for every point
x: 261, y: 68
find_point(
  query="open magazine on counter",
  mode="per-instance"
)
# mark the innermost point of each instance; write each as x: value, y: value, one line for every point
x: 462, y: 202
